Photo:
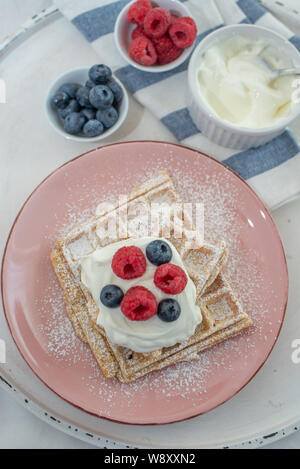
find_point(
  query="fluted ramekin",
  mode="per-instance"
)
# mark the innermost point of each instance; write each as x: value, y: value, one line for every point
x: 207, y: 121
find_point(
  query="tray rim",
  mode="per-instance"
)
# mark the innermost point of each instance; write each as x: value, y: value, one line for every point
x: 96, y: 439
x: 28, y: 28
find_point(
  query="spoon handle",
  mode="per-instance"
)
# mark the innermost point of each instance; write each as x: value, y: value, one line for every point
x: 289, y: 71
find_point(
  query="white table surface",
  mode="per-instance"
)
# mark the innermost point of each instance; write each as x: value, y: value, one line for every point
x: 18, y: 427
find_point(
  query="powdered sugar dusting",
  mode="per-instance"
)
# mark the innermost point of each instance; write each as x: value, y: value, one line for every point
x: 57, y: 330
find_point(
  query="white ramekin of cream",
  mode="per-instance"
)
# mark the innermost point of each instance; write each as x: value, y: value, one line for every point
x: 232, y: 97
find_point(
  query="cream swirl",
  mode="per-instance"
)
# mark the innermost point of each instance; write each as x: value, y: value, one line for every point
x: 239, y: 87
x: 140, y: 336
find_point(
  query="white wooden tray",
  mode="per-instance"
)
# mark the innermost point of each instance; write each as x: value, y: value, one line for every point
x: 269, y: 407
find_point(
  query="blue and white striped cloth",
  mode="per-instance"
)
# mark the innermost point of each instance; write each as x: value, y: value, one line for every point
x: 273, y: 170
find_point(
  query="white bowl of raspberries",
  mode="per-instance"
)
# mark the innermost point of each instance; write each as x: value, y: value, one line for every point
x: 155, y: 36
x: 87, y: 104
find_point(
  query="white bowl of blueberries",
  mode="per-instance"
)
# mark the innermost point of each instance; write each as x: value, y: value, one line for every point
x: 87, y: 105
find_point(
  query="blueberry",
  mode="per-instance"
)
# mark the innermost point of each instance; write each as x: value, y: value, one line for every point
x: 82, y: 97
x: 100, y: 74
x: 168, y: 310
x: 60, y: 100
x: 70, y: 89
x: 111, y: 296
x: 93, y: 128
x: 116, y: 89
x: 73, y: 106
x: 89, y: 114
x: 108, y: 117
x: 101, y: 97
x: 159, y: 252
x: 89, y: 84
x: 73, y: 123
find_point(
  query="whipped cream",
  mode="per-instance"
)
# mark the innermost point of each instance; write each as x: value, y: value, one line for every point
x: 140, y: 336
x: 239, y: 87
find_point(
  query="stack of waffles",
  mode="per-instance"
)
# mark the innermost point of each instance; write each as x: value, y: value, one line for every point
x: 223, y: 316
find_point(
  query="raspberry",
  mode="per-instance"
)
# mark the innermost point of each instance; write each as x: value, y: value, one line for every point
x: 190, y: 21
x: 156, y: 22
x: 129, y: 262
x: 138, y: 32
x: 170, y: 55
x: 183, y: 32
x: 142, y: 51
x: 139, y: 304
x: 166, y: 51
x: 170, y: 279
x: 137, y: 12
x: 174, y: 19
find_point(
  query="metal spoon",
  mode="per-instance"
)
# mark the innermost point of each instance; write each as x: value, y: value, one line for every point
x: 278, y: 73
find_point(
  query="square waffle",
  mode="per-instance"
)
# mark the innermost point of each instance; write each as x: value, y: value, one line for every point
x: 222, y: 314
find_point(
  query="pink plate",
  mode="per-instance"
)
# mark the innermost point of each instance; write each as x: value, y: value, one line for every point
x: 33, y: 301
